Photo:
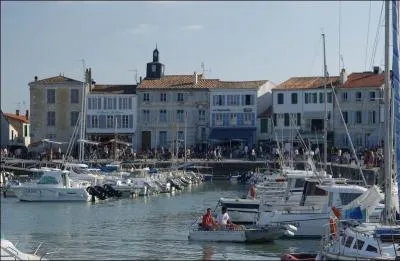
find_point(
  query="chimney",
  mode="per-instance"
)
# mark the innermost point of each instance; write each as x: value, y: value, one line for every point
x: 27, y: 114
x: 377, y: 70
x: 36, y: 78
x: 343, y: 76
x: 140, y: 79
x: 17, y: 112
x: 195, y: 78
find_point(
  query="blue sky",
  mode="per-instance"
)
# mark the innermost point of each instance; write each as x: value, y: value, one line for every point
x: 235, y: 40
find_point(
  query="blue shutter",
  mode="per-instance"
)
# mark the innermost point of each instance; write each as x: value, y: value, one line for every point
x: 130, y: 103
x: 240, y: 119
x: 119, y: 121
x: 120, y: 103
x: 213, y: 120
x: 226, y: 119
x: 102, y: 121
x: 130, y: 121
x: 115, y: 103
x: 253, y: 120
x: 88, y: 125
x: 99, y: 103
x: 243, y: 100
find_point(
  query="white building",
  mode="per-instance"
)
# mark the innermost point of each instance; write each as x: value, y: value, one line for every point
x: 111, y: 110
x: 299, y: 106
x: 18, y: 128
x: 361, y: 102
x: 234, y: 108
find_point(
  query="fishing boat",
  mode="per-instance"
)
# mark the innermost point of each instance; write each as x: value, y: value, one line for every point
x: 347, y: 240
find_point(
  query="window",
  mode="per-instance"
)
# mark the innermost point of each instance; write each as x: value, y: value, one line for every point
x: 349, y: 241
x: 25, y: 130
x: 298, y: 119
x: 233, y: 100
x: 315, y: 97
x: 233, y: 119
x: 95, y: 121
x: 218, y: 100
x: 346, y: 198
x: 51, y: 96
x: 110, y: 103
x: 358, y: 244
x: 153, y: 68
x: 218, y: 119
x: 123, y: 103
x: 51, y: 118
x: 344, y: 96
x: 294, y: 98
x: 306, y: 98
x: 110, y: 122
x: 179, y: 115
x: 345, y: 117
x: 203, y: 133
x: 181, y: 136
x: 248, y: 100
x: 163, y: 138
x: 125, y: 121
x: 358, y: 117
x: 358, y: 96
x: 74, y: 118
x: 329, y: 97
x: 264, y: 126
x: 180, y: 97
x: 94, y: 103
x: 372, y: 96
x: 371, y: 117
x: 163, y: 97
x: 74, y: 96
x: 280, y: 98
x: 146, y: 97
x: 371, y: 249
x: 202, y: 115
x: 286, y: 119
x: 321, y: 97
x: 163, y: 115
x: 146, y: 115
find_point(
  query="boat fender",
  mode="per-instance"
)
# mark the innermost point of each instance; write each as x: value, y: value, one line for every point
x: 291, y: 227
x: 332, y: 226
x: 289, y: 233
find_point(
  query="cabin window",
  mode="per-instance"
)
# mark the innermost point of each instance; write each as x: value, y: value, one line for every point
x: 47, y: 180
x: 346, y: 198
x: 313, y: 190
x: 299, y: 183
x: 358, y: 244
x: 371, y: 249
x: 349, y: 241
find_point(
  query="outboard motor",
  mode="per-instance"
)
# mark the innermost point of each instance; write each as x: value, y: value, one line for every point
x: 111, y: 192
x: 97, y: 191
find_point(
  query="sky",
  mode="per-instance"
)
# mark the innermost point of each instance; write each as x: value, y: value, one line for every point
x: 270, y: 40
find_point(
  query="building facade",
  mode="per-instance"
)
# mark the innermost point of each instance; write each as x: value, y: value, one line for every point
x: 18, y: 128
x: 361, y: 104
x: 5, y: 130
x: 234, y: 108
x: 299, y: 107
x: 55, y: 105
x: 111, y: 110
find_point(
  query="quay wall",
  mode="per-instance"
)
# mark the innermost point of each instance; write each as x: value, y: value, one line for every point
x: 221, y: 169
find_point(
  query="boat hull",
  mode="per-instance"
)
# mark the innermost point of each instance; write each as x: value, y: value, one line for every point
x: 51, y: 194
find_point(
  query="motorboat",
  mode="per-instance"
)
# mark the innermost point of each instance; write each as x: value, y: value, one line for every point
x: 53, y: 185
x: 10, y: 252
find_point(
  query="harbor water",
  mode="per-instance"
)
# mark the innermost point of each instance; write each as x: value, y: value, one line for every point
x: 146, y: 228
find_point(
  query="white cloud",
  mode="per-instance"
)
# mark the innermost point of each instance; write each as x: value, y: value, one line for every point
x: 141, y: 29
x: 192, y: 27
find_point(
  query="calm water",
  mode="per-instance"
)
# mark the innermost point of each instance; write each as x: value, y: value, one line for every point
x: 142, y: 228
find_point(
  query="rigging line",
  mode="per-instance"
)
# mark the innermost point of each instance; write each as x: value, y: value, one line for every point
x: 377, y: 36
x: 366, y: 46
x: 340, y: 21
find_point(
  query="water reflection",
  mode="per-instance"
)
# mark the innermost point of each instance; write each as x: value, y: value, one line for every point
x: 208, y: 252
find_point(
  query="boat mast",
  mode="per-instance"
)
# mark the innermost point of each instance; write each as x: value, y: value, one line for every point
x: 387, y: 142
x: 82, y: 127
x: 326, y: 109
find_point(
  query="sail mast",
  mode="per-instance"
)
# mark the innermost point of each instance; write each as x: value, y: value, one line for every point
x: 388, y: 143
x: 326, y: 109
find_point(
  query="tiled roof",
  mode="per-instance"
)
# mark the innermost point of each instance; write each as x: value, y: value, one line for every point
x: 114, y: 88
x: 21, y: 118
x: 56, y: 79
x: 364, y: 79
x: 300, y: 83
x: 188, y: 82
x: 266, y: 113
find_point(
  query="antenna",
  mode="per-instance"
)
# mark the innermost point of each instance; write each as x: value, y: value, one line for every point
x: 202, y: 67
x: 341, y: 58
x: 136, y: 74
x: 204, y: 70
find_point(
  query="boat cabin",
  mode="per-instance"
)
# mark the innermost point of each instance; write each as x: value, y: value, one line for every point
x: 55, y: 177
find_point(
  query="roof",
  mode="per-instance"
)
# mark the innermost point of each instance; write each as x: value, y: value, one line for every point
x: 304, y: 83
x: 266, y: 113
x: 56, y: 79
x: 114, y: 88
x: 21, y: 118
x: 188, y: 82
x: 364, y: 80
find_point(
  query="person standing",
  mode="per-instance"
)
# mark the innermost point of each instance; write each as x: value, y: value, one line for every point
x: 208, y: 222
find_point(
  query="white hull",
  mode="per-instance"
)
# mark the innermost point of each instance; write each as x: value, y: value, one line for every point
x: 311, y: 224
x: 10, y: 252
x: 50, y: 194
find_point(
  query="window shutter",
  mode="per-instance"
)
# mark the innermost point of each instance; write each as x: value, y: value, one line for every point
x: 102, y: 121
x: 130, y: 120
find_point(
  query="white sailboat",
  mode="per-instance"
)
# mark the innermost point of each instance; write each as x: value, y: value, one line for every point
x: 379, y: 240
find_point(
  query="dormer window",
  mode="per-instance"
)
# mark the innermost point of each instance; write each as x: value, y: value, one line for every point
x: 153, y: 68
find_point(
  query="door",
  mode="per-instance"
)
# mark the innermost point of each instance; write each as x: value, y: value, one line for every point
x: 146, y: 140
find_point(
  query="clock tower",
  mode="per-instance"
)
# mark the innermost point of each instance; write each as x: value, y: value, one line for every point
x: 155, y: 69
